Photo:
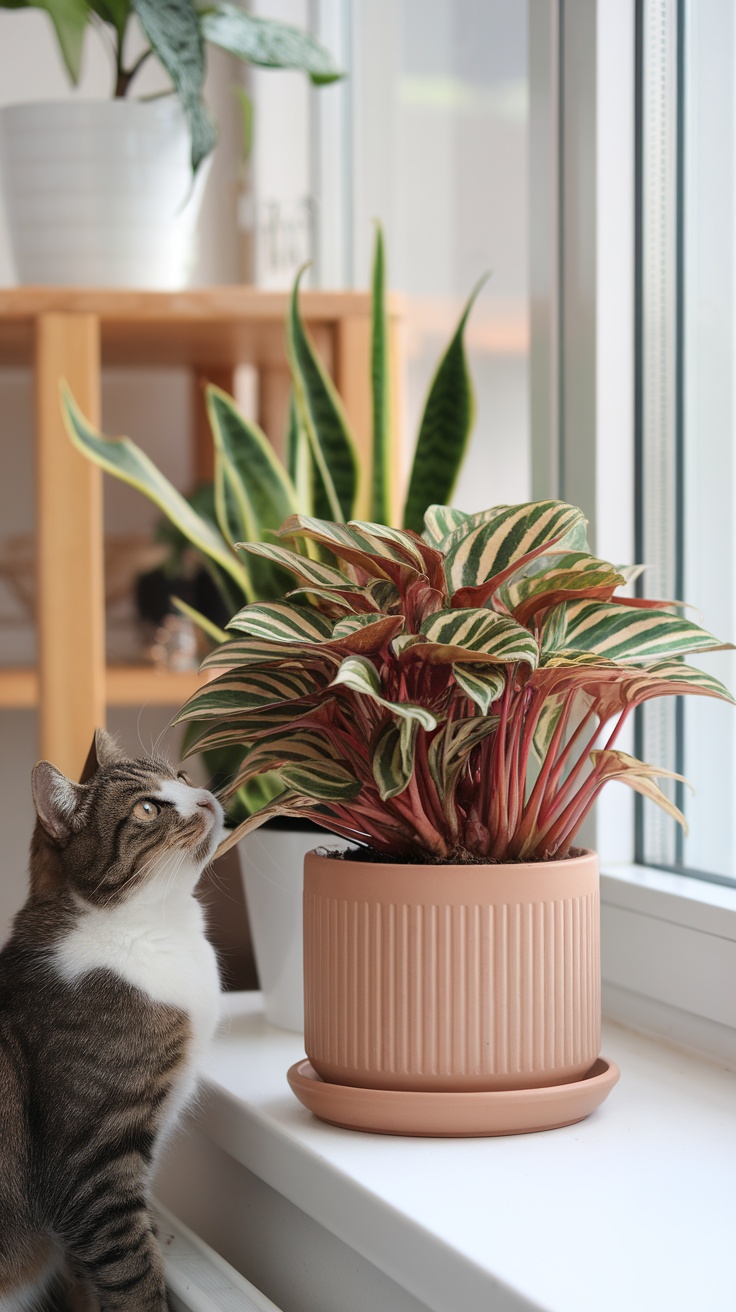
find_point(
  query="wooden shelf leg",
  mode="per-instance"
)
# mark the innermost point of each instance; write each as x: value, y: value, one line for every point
x: 71, y: 602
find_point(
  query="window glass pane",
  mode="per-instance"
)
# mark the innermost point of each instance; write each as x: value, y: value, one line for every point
x: 709, y: 428
x: 687, y: 404
x: 440, y: 155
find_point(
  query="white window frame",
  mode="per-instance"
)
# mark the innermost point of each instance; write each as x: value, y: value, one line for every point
x: 668, y: 940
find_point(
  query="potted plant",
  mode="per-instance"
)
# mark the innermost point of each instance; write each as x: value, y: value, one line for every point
x: 107, y: 193
x: 254, y: 493
x: 450, y: 704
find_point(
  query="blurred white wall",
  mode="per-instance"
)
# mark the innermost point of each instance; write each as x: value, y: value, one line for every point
x: 429, y: 134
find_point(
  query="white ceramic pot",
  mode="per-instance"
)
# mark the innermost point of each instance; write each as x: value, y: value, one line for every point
x: 100, y: 192
x: 272, y: 863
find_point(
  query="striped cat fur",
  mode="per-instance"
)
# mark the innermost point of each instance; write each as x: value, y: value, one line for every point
x: 109, y: 994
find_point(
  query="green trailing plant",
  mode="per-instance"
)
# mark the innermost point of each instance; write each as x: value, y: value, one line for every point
x: 255, y: 492
x: 448, y: 697
x: 177, y: 33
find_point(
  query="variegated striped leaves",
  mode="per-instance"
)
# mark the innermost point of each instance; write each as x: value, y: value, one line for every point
x: 305, y: 762
x: 476, y: 636
x: 627, y: 769
x: 481, y: 554
x: 285, y: 625
x: 621, y: 632
x: 393, y: 757
x: 250, y: 689
x: 361, y: 676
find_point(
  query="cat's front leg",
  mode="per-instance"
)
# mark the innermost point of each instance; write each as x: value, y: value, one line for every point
x: 116, y: 1254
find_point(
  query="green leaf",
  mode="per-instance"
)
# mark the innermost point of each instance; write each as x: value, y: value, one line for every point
x: 173, y: 29
x: 325, y: 781
x: 115, y: 12
x: 621, y: 632
x: 206, y: 625
x: 481, y: 684
x: 573, y: 575
x: 377, y: 556
x: 381, y: 390
x: 288, y: 803
x: 279, y: 621
x: 306, y: 569
x: 254, y: 492
x: 393, y: 758
x: 121, y: 457
x: 70, y: 19
x: 321, y: 413
x: 488, y: 544
x: 267, y: 43
x: 639, y: 776
x: 440, y: 523
x: 238, y: 691
x: 444, y: 430
x: 360, y: 675
x: 292, y: 746
x: 476, y: 636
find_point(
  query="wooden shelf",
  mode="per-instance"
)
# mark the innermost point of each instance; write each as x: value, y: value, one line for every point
x: 73, y: 333
x: 127, y: 685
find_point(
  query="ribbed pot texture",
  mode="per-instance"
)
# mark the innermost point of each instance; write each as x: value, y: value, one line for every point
x: 100, y: 193
x: 451, y: 977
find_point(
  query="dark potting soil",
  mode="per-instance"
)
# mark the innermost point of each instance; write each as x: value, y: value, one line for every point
x: 460, y: 857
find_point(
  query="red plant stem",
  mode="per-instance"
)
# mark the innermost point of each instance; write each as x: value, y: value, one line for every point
x: 554, y: 801
x: 516, y: 792
x: 531, y: 810
x: 499, y: 817
x: 563, y: 830
x: 565, y: 754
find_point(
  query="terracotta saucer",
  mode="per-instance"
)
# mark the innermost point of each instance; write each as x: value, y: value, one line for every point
x: 453, y: 1115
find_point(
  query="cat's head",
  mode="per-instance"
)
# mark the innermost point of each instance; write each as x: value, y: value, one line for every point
x: 128, y: 825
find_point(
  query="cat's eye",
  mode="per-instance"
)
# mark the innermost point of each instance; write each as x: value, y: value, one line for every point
x: 184, y: 777
x: 146, y: 810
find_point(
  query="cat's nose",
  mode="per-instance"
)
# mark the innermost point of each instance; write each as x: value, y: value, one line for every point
x: 207, y: 804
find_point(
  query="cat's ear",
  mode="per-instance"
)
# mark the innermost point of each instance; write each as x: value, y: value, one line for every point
x: 57, y: 800
x: 104, y: 751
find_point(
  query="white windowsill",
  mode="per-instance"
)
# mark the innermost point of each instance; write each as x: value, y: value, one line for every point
x: 631, y: 1210
x: 668, y: 946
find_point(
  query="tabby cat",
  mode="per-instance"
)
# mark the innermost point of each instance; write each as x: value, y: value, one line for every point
x: 109, y: 992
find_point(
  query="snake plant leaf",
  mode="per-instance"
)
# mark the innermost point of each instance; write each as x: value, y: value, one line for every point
x: 476, y: 553
x: 254, y: 494
x: 322, y: 415
x: 478, y: 636
x: 481, y: 684
x: 202, y: 622
x: 627, y: 769
x: 623, y: 633
x: 381, y: 389
x: 444, y: 429
x: 266, y: 43
x: 121, y: 457
x: 360, y: 675
x: 173, y: 29
x: 393, y: 758
x: 252, y: 689
x: 325, y: 781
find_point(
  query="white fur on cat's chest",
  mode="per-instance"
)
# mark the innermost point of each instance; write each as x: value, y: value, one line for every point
x: 157, y: 946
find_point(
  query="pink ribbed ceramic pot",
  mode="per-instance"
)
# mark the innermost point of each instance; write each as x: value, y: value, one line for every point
x: 451, y: 977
